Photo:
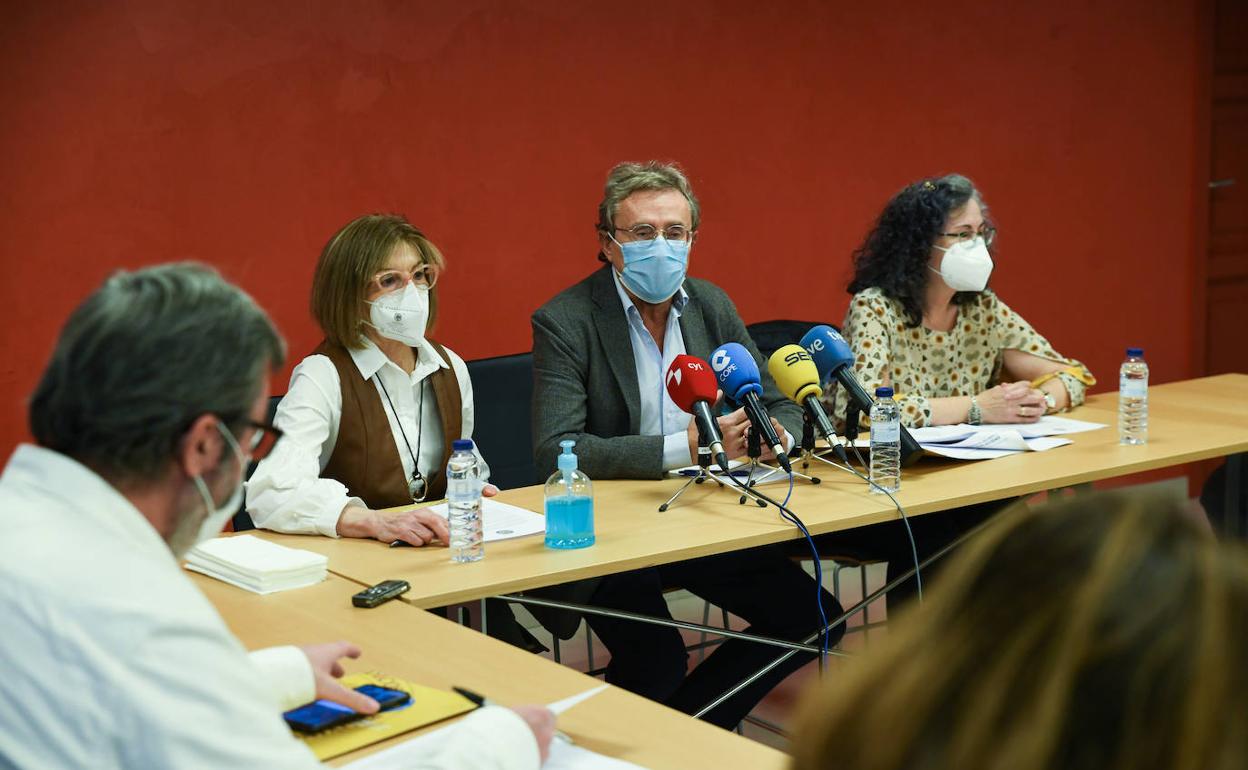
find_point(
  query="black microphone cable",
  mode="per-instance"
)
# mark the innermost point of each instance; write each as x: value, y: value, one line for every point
x: 793, y: 519
x: 901, y: 512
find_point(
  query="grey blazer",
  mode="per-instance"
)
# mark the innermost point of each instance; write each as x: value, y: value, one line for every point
x: 585, y: 379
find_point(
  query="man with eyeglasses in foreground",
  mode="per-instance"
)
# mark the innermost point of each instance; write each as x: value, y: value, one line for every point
x: 145, y: 420
x: 601, y: 350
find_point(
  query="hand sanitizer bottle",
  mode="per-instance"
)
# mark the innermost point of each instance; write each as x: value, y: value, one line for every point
x: 569, y: 504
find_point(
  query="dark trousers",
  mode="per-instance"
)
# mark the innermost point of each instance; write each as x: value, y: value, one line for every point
x: 888, y: 541
x: 762, y: 585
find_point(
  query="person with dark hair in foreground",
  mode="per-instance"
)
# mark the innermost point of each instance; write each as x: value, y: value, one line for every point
x: 1105, y: 632
x: 150, y: 409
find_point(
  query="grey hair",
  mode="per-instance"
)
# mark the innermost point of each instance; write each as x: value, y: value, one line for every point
x: 142, y: 358
x: 628, y: 178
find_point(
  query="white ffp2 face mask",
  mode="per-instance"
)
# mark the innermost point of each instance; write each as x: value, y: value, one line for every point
x: 401, y: 315
x: 966, y: 265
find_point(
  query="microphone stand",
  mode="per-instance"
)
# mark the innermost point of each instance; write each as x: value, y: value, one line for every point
x: 754, y: 448
x: 704, y: 471
x: 808, y: 447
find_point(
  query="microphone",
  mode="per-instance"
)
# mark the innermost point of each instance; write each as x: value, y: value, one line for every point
x: 738, y: 376
x: 834, y: 359
x: 796, y: 375
x: 691, y: 386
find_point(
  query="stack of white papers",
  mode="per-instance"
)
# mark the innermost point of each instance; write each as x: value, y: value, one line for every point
x: 985, y: 442
x: 257, y: 565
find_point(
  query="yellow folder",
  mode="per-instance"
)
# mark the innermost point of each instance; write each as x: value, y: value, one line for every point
x: 428, y: 706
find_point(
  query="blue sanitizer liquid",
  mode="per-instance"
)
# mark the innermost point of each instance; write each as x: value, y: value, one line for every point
x: 569, y: 521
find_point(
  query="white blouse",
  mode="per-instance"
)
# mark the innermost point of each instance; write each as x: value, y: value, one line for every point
x: 286, y: 493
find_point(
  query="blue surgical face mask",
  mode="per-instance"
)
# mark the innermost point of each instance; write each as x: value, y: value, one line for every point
x: 655, y: 269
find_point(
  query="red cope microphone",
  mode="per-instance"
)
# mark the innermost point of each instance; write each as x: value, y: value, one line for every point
x: 691, y: 385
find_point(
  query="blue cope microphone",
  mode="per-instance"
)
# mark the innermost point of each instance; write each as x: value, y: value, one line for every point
x: 737, y: 373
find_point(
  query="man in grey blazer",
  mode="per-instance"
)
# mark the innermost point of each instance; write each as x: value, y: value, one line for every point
x: 600, y: 352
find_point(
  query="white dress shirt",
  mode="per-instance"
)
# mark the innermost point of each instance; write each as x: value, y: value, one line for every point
x: 286, y: 493
x: 659, y: 414
x: 112, y: 658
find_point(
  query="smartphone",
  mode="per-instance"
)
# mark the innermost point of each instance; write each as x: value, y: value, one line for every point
x: 322, y: 714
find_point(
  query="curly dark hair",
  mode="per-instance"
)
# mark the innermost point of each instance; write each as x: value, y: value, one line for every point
x: 894, y: 256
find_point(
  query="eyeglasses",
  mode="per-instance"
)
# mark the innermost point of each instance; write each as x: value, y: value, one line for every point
x: 263, y: 439
x: 646, y: 232
x: 966, y: 236
x: 424, y: 276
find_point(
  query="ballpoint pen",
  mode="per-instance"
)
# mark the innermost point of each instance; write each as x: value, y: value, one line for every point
x: 481, y: 701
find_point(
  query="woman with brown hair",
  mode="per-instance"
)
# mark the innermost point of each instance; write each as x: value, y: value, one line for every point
x: 369, y: 417
x: 1104, y: 632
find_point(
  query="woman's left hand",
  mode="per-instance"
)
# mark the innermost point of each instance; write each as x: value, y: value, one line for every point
x: 489, y: 490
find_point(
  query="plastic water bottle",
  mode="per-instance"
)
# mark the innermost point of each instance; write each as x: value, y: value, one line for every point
x: 463, y: 498
x: 885, y: 441
x: 569, y: 504
x: 1133, y: 399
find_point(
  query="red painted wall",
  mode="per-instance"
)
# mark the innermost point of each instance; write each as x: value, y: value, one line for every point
x: 243, y: 134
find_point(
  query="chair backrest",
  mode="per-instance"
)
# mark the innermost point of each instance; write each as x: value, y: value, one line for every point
x: 242, y: 520
x: 770, y: 336
x: 502, y: 395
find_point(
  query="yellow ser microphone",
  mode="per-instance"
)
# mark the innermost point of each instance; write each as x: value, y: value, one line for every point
x: 797, y: 377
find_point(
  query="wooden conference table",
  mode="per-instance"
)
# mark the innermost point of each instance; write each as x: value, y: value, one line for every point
x: 1188, y: 421
x: 416, y: 645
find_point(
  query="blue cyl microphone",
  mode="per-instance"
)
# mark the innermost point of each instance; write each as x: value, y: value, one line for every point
x: 737, y: 373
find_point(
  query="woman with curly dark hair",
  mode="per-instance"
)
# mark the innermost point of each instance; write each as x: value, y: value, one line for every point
x: 923, y: 320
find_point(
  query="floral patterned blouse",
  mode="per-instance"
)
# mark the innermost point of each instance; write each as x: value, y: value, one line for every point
x: 924, y: 364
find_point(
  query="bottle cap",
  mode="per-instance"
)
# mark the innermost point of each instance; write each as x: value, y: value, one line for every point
x: 461, y: 445
x: 1135, y: 352
x: 884, y: 392
x: 567, y: 460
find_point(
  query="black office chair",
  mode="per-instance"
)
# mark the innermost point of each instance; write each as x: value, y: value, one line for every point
x: 242, y: 520
x: 502, y: 395
x: 769, y: 336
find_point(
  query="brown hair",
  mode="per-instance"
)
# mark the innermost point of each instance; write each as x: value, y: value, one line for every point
x: 349, y: 261
x: 1103, y: 632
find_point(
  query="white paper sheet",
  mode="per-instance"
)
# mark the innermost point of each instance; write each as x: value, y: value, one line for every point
x: 987, y: 442
x: 692, y: 470
x: 502, y: 521
x: 740, y: 469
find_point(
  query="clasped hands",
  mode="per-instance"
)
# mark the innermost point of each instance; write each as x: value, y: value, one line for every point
x: 734, y: 430
x: 1012, y: 402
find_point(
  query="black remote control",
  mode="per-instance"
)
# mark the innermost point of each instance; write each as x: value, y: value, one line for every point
x: 382, y: 592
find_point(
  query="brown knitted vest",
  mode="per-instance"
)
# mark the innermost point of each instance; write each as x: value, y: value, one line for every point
x: 366, y: 457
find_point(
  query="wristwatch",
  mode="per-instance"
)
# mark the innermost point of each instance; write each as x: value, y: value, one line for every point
x: 1050, y: 401
x: 974, y: 416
